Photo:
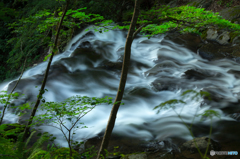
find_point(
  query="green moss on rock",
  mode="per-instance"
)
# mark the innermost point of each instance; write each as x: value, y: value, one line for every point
x: 204, y: 34
x: 11, y: 131
x: 232, y: 36
x: 134, y: 155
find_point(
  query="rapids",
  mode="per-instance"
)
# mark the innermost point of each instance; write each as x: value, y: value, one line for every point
x: 77, y: 71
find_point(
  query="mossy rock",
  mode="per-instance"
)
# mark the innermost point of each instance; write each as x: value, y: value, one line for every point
x: 141, y: 155
x: 11, y: 131
x: 63, y: 153
x: 232, y: 36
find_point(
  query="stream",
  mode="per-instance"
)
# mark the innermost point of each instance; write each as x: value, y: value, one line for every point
x: 90, y: 67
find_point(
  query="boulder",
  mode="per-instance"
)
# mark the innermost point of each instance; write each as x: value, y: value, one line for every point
x: 191, y: 41
x: 214, y: 51
x: 202, y: 143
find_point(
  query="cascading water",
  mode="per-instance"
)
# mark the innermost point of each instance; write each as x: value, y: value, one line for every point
x: 81, y: 70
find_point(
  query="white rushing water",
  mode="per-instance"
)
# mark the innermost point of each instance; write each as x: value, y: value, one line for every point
x: 136, y: 118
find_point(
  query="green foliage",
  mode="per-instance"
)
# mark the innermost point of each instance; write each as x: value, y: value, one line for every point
x: 107, y: 8
x: 11, y: 133
x: 17, y: 149
x: 37, y: 27
x: 219, y: 2
x: 114, y: 153
x: 6, y: 13
x: 186, y: 19
x: 168, y: 104
x: 69, y: 109
x: 227, y: 4
x: 5, y: 98
x: 89, y: 153
x: 72, y: 109
x: 63, y: 153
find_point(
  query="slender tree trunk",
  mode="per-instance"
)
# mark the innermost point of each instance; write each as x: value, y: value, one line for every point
x: 45, y: 78
x: 69, y: 143
x: 117, y: 102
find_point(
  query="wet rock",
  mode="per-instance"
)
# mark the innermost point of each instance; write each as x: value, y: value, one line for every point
x: 236, y: 116
x: 198, y: 75
x: 191, y: 41
x: 230, y: 13
x: 135, y: 156
x: 126, y: 145
x: 213, y: 51
x: 143, y: 92
x: 109, y: 65
x: 202, y: 143
x: 192, y: 74
x: 170, y: 84
x: 85, y: 44
x: 82, y: 51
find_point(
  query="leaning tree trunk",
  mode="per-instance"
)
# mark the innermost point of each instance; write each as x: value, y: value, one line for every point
x: 117, y: 102
x: 45, y: 78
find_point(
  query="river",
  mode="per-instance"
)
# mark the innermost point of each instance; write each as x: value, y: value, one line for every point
x: 85, y: 71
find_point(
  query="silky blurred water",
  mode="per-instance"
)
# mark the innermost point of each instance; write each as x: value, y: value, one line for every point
x: 150, y: 60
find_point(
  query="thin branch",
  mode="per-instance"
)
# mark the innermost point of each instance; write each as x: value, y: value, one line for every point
x: 138, y: 30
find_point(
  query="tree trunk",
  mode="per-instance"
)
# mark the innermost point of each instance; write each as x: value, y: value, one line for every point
x: 45, y: 78
x: 117, y: 102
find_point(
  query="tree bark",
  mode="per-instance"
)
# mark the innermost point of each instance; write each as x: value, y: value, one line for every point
x: 45, y: 78
x: 117, y: 102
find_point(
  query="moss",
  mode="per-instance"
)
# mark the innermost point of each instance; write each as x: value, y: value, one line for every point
x: 220, y: 38
x: 204, y: 34
x: 234, y: 13
x: 11, y: 131
x: 127, y: 156
x: 232, y: 36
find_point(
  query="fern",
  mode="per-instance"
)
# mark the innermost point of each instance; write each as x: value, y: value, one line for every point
x: 36, y: 153
x: 36, y: 150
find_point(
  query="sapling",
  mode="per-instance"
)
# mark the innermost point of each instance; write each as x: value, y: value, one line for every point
x: 72, y: 110
x: 5, y: 99
x: 206, y: 114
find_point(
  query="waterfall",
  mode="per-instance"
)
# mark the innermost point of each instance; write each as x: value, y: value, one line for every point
x: 155, y: 63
